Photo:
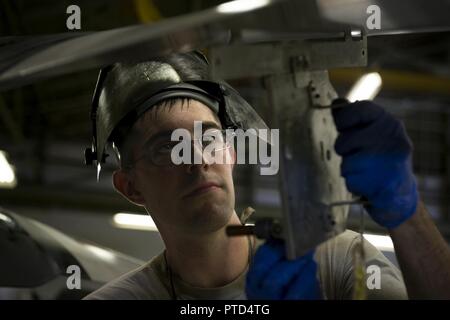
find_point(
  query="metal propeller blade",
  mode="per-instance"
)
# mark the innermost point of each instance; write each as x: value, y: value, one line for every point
x: 24, y: 60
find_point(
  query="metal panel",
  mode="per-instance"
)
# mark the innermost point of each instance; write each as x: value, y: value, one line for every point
x: 310, y: 169
x: 259, y: 60
x: 300, y: 96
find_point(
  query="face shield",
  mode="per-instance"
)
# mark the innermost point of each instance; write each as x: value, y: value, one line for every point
x: 124, y: 92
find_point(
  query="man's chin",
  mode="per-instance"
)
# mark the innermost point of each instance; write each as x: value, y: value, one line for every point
x: 209, y: 216
x: 208, y: 199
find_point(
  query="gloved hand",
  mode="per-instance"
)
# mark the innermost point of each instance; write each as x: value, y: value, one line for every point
x: 273, y: 277
x: 376, y: 161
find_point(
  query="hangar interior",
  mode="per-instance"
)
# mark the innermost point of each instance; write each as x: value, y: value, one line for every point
x: 45, y: 127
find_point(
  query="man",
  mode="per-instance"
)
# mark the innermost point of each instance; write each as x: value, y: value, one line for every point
x: 192, y: 204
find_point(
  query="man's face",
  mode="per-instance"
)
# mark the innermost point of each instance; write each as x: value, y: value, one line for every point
x: 193, y: 198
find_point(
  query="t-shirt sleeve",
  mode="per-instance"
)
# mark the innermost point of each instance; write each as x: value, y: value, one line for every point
x: 335, y: 261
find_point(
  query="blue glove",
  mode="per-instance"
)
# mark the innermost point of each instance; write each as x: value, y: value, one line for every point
x: 376, y: 161
x: 273, y: 277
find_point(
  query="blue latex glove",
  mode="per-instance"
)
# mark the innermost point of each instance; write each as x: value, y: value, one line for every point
x: 376, y: 161
x: 272, y: 277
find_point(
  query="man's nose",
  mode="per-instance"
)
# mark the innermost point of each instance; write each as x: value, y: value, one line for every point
x: 198, y: 159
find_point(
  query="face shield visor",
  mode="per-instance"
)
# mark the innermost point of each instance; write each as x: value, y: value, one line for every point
x: 124, y: 92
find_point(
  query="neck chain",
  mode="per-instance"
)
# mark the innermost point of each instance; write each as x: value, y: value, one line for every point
x: 169, y: 270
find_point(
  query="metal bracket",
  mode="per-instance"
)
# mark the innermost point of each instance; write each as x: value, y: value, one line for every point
x: 289, y: 57
x: 299, y: 91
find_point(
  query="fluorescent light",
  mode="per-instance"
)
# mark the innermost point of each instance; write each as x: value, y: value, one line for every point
x: 241, y: 6
x: 7, y: 175
x: 366, y: 88
x: 134, y: 221
x: 380, y: 242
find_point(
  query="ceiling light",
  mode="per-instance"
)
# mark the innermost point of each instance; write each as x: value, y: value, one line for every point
x: 241, y: 6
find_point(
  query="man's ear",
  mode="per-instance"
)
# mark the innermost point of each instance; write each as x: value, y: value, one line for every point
x: 124, y: 184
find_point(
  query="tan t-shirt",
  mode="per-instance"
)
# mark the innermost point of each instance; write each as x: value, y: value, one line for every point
x: 334, y: 260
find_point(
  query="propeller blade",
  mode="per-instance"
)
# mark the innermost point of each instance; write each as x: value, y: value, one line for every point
x: 24, y: 60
